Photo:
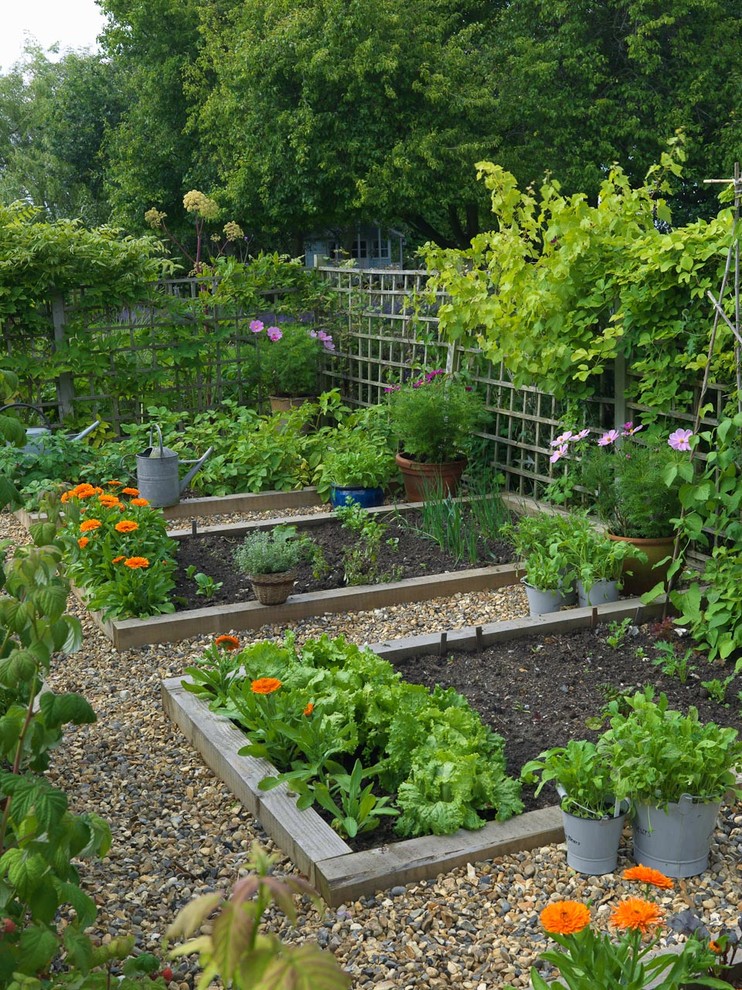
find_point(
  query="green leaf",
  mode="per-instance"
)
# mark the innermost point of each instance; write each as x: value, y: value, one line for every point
x: 37, y: 948
x: 60, y: 709
x: 305, y: 968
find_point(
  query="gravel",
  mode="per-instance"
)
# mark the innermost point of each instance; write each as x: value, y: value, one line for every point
x: 178, y: 832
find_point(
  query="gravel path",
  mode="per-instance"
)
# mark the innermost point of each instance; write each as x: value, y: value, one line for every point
x: 178, y: 832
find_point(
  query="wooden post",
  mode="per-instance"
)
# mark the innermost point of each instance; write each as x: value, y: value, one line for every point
x: 619, y: 391
x: 65, y: 387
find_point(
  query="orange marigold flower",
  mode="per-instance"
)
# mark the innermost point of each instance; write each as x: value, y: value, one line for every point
x: 565, y: 917
x: 83, y: 542
x: 117, y: 560
x: 645, y: 874
x: 107, y: 501
x: 130, y: 491
x: 139, y: 501
x: 126, y: 526
x: 309, y: 709
x: 89, y: 525
x: 715, y: 947
x: 83, y: 491
x: 265, y: 685
x: 636, y: 914
x: 136, y: 562
x: 228, y: 642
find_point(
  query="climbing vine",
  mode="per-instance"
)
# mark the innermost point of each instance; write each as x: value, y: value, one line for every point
x: 560, y: 288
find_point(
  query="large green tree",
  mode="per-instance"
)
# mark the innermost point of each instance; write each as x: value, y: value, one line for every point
x: 582, y: 85
x: 326, y: 110
x: 54, y: 117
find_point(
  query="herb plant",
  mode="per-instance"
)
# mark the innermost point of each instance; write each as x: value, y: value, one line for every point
x: 434, y: 416
x: 361, y: 556
x: 272, y: 551
x: 583, y: 776
x: 659, y: 754
x: 673, y: 663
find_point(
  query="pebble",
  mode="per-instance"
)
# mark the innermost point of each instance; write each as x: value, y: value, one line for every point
x: 179, y: 833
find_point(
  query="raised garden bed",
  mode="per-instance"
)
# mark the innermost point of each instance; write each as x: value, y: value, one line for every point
x: 338, y: 873
x: 220, y: 618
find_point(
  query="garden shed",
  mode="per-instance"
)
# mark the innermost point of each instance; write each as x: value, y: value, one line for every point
x: 370, y: 245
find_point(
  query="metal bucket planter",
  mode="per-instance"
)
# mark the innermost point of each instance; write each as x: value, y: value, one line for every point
x: 600, y: 593
x: 540, y: 602
x: 365, y: 497
x: 273, y: 589
x: 592, y: 844
x: 677, y: 840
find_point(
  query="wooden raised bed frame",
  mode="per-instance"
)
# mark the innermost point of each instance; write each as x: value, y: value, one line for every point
x: 338, y: 873
x: 131, y: 633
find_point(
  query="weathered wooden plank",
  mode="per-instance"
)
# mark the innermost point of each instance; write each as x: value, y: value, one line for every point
x: 360, y: 874
x: 469, y: 639
x: 303, y: 835
x: 130, y: 633
x: 243, y: 502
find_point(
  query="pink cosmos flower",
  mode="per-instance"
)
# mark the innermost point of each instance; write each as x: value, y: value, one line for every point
x: 562, y: 439
x: 274, y: 333
x: 628, y: 429
x: 256, y: 326
x: 558, y: 453
x: 581, y: 435
x: 608, y: 438
x: 680, y: 439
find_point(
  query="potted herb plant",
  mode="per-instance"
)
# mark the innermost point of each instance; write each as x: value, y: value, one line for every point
x: 359, y: 475
x: 632, y: 476
x: 598, y: 563
x: 542, y: 542
x: 676, y: 771
x: 290, y: 357
x: 269, y: 557
x: 433, y: 418
x: 593, y: 818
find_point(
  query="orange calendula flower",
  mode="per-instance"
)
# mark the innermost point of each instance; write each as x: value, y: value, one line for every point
x: 715, y: 947
x: 130, y: 491
x: 636, y: 914
x: 309, y: 709
x: 90, y: 524
x: 83, y: 542
x: 139, y: 501
x: 108, y: 501
x: 645, y: 874
x: 136, y: 562
x: 565, y: 917
x: 126, y: 526
x: 228, y: 642
x: 114, y: 483
x: 265, y: 685
x: 117, y: 560
x: 66, y: 496
x: 83, y: 491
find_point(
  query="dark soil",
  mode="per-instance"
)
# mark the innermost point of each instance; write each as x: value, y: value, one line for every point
x: 540, y: 692
x: 413, y: 556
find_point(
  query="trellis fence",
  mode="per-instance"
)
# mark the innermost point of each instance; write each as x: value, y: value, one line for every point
x: 175, y: 350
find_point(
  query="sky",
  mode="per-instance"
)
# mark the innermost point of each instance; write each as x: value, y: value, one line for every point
x: 72, y: 23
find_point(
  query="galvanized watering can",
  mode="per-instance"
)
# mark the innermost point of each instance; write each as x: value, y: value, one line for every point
x: 35, y: 435
x: 157, y: 472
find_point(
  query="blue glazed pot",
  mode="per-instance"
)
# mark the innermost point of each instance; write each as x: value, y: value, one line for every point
x: 365, y: 497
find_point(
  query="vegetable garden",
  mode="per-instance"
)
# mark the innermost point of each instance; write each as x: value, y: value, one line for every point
x: 618, y: 446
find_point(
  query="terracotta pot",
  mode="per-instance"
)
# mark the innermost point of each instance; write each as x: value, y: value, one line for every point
x: 283, y: 403
x: 425, y: 480
x: 273, y: 589
x: 643, y: 576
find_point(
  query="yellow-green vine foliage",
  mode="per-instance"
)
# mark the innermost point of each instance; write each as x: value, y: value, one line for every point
x: 561, y: 287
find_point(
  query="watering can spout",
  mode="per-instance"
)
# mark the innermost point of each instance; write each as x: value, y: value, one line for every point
x: 88, y: 429
x: 196, y: 467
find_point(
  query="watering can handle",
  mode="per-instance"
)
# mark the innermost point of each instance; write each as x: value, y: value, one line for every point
x: 155, y: 426
x: 27, y: 405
